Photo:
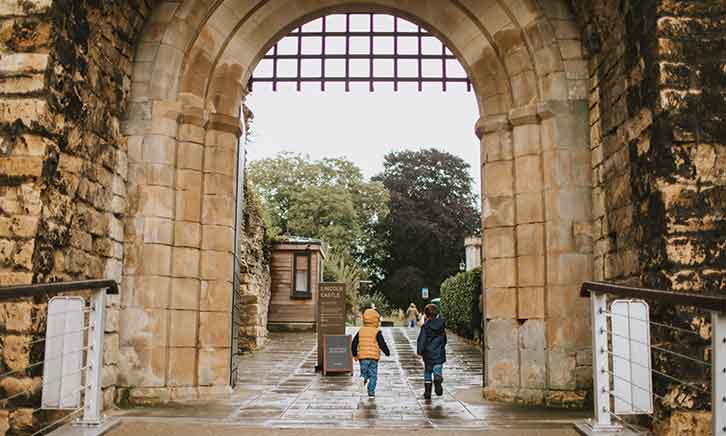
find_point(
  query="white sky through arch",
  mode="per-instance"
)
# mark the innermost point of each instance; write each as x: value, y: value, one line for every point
x: 360, y: 125
x: 363, y: 126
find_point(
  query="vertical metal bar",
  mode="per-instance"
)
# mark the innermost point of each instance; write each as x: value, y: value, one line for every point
x: 347, y: 52
x: 420, y: 69
x: 93, y: 398
x: 322, y: 58
x: 395, y: 54
x: 274, y: 68
x: 443, y: 67
x: 718, y: 373
x: 600, y: 362
x: 299, y: 57
x: 370, y: 60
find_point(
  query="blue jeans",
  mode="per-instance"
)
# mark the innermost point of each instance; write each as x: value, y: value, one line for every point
x: 369, y: 371
x: 431, y: 370
x: 412, y: 323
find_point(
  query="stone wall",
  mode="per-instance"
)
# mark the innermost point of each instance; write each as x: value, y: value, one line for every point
x: 657, y: 110
x: 255, y: 278
x: 65, y: 69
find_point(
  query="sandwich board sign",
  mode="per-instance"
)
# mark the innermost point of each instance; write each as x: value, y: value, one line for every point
x: 337, y: 355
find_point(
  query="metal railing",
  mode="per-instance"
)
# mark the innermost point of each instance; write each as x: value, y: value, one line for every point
x: 78, y: 391
x: 622, y: 354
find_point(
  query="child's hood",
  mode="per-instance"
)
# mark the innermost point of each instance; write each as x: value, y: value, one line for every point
x: 371, y: 318
x: 436, y: 325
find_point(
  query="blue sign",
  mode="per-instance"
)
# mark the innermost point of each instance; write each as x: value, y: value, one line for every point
x: 425, y: 293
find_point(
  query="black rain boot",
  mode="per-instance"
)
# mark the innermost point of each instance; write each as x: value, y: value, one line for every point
x: 427, y: 391
x: 437, y: 385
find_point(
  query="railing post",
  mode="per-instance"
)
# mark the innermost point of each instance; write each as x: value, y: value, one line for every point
x: 93, y: 398
x: 718, y: 372
x: 600, y: 362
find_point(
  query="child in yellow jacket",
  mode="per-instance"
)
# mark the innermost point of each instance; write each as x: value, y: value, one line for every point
x: 367, y: 346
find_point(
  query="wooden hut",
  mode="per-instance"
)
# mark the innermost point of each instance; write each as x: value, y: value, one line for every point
x: 296, y: 269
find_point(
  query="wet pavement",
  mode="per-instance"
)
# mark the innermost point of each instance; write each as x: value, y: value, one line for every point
x: 279, y: 388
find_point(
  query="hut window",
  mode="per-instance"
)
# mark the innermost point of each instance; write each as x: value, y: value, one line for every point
x: 301, y: 274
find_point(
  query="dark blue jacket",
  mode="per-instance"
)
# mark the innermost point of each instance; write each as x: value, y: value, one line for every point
x: 431, y: 342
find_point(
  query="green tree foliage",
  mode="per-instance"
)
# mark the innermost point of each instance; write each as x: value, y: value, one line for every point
x: 376, y: 299
x: 432, y: 209
x: 460, y: 303
x: 339, y: 268
x: 327, y: 199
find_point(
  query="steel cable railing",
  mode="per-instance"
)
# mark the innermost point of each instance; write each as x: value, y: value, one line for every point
x: 623, y: 373
x: 63, y: 374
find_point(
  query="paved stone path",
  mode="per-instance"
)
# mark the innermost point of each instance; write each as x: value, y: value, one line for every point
x: 279, y: 388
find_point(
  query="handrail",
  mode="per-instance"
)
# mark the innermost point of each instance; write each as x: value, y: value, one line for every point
x: 39, y: 289
x: 702, y: 301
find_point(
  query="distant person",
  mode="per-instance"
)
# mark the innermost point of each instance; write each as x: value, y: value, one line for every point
x: 411, y: 315
x: 431, y: 347
x: 367, y: 346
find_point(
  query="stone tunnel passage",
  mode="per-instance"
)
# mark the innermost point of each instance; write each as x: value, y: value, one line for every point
x: 279, y: 389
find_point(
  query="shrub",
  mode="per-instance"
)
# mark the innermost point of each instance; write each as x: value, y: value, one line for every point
x: 460, y: 303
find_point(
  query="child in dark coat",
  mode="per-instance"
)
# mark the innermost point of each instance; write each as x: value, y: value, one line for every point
x: 431, y: 347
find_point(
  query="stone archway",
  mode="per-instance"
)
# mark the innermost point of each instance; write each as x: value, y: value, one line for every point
x: 525, y: 62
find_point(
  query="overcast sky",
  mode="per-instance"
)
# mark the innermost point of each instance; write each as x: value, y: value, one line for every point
x: 363, y: 126
x: 360, y: 125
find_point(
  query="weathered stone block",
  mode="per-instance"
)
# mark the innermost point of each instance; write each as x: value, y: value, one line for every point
x: 187, y: 234
x: 156, y: 260
x: 158, y: 230
x: 184, y: 293
x: 214, y: 329
x: 531, y: 303
x: 531, y: 270
x: 183, y: 328
x: 568, y: 268
x: 185, y: 262
x: 568, y: 333
x: 528, y: 171
x: 143, y: 328
x: 533, y: 367
x: 530, y: 239
x: 498, y: 178
x: 188, y: 206
x: 218, y: 210
x: 530, y: 208
x: 215, y: 295
x: 561, y: 365
x: 527, y: 140
x: 218, y: 238
x: 142, y: 366
x: 213, y: 368
x: 190, y: 156
x: 499, y: 242
x: 501, y: 303
x: 182, y: 365
x: 500, y: 273
x: 502, y: 212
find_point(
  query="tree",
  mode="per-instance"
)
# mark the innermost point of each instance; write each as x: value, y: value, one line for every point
x: 432, y: 209
x: 327, y: 199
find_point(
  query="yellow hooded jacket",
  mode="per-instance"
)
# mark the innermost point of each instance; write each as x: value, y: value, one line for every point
x: 367, y: 343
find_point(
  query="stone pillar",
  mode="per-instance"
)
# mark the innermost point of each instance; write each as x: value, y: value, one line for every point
x: 217, y: 250
x: 472, y: 246
x: 536, y: 174
x: 568, y: 206
x: 530, y: 251
x: 501, y: 353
